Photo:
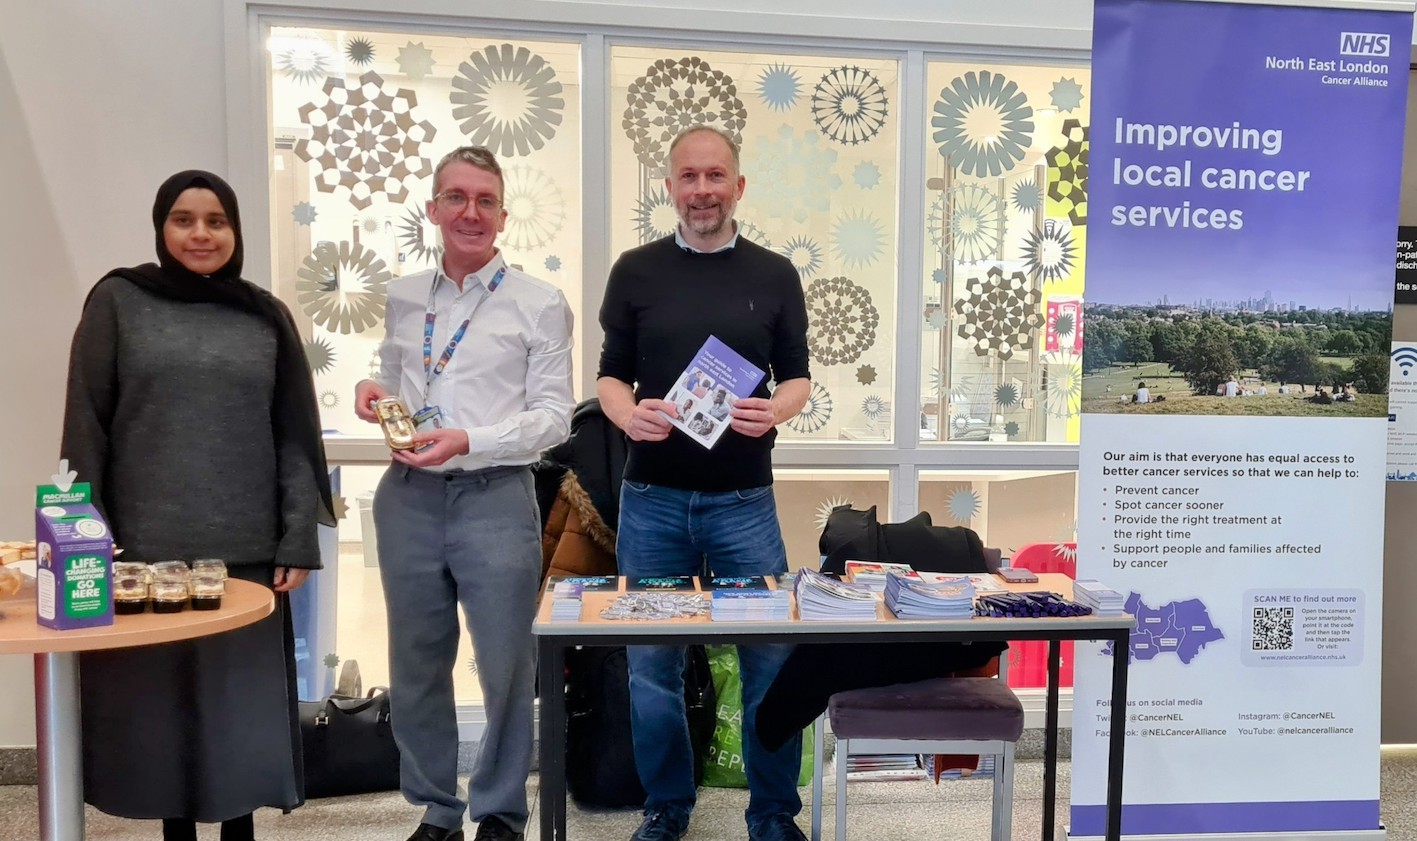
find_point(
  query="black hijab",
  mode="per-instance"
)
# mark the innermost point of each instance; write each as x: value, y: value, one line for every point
x: 295, y: 414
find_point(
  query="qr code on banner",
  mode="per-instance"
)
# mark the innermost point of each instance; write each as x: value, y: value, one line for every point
x: 1274, y: 629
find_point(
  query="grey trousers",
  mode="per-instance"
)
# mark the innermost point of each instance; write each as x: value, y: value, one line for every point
x: 469, y: 539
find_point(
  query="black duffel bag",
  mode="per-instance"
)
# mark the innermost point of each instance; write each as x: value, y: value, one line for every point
x: 600, y: 755
x: 349, y: 745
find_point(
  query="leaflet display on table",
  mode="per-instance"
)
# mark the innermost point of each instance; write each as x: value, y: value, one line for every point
x: 661, y: 583
x: 874, y: 573
x: 566, y: 600
x: 806, y: 596
x: 716, y: 379
x: 1103, y: 600
x: 821, y: 597
x: 736, y: 582
x: 909, y: 598
x: 751, y: 606
x: 565, y: 609
x: 587, y: 583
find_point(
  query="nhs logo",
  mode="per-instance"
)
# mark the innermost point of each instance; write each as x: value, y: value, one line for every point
x: 1364, y: 43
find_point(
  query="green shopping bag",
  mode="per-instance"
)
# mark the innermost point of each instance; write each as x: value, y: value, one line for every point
x: 723, y: 767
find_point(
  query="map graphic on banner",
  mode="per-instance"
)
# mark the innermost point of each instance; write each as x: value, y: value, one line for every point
x: 1235, y: 409
x: 1179, y: 628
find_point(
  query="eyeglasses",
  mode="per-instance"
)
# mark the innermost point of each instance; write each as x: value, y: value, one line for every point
x: 455, y: 202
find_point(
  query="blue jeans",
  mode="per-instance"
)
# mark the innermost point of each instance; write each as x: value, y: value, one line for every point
x: 667, y: 531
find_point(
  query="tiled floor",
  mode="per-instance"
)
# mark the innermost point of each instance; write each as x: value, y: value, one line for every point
x: 879, y: 812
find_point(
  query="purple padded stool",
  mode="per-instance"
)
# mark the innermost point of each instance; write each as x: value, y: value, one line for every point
x: 945, y: 715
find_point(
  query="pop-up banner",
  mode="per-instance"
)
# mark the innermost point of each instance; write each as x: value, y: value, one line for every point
x: 1244, y: 180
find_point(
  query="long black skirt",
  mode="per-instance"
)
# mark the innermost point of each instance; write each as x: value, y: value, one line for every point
x: 205, y: 729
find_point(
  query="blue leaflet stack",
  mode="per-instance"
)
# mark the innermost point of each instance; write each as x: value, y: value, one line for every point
x: 747, y: 605
x: 1103, y: 600
x: 566, y: 601
x: 821, y: 597
x: 910, y: 598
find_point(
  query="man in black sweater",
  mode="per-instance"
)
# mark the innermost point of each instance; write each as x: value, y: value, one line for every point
x: 685, y: 509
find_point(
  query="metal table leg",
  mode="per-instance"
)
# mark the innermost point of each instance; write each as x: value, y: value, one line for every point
x: 819, y: 764
x: 1117, y: 733
x: 1050, y: 743
x: 58, y: 739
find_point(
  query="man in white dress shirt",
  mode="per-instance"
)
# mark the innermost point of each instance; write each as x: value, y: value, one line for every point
x: 480, y: 352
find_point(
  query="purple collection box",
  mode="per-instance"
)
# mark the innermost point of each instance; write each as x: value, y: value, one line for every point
x: 75, y: 567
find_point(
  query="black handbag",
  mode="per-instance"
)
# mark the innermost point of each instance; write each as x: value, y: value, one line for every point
x: 349, y: 745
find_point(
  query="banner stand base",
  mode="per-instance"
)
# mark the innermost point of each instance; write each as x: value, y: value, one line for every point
x: 1379, y: 834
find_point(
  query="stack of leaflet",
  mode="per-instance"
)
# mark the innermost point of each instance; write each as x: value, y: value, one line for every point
x: 882, y: 767
x: 1103, y: 600
x: 566, y: 601
x: 909, y: 598
x: 987, y: 583
x: 873, y: 573
x: 751, y: 606
x: 821, y: 597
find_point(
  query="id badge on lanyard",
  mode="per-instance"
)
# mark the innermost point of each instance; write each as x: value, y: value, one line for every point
x: 428, y: 418
x: 429, y: 413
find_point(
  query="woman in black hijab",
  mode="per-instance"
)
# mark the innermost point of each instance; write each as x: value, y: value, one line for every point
x: 192, y: 414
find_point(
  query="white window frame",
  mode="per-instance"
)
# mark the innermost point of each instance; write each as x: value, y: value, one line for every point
x: 598, y: 27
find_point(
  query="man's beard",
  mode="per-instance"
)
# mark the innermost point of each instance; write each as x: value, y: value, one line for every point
x: 723, y: 217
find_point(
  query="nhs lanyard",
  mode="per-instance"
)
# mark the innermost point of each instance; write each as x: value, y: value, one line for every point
x: 431, y: 371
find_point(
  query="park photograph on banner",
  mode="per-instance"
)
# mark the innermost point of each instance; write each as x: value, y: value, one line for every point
x: 1245, y: 165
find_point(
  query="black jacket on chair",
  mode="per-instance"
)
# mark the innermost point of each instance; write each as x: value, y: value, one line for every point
x: 596, y: 451
x: 852, y: 535
x: 813, y: 673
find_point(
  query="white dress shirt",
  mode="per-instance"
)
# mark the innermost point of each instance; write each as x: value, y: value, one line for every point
x: 508, y: 383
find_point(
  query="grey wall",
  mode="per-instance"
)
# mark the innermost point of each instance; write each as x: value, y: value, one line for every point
x: 1399, y: 724
x: 99, y: 101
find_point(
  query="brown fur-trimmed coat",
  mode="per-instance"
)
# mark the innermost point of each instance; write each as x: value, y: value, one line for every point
x: 576, y: 541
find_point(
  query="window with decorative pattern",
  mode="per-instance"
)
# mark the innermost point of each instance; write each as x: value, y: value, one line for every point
x: 818, y: 138
x: 360, y: 120
x: 1005, y: 235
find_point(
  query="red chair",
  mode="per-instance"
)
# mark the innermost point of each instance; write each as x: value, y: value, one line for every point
x: 1028, y: 660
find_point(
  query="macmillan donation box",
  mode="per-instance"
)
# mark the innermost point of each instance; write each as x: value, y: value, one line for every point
x: 74, y: 575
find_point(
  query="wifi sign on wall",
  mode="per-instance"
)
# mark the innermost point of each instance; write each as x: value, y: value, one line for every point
x: 1404, y: 360
x: 1402, y: 413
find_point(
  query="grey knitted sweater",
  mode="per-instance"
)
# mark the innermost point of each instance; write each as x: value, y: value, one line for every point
x: 169, y: 417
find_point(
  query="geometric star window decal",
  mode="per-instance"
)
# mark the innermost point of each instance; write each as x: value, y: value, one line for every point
x: 364, y: 140
x: 1000, y: 313
x: 343, y: 288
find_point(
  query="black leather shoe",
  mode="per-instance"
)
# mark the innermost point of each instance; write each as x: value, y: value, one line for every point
x: 662, y: 825
x: 429, y: 832
x: 494, y: 828
x: 776, y: 828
